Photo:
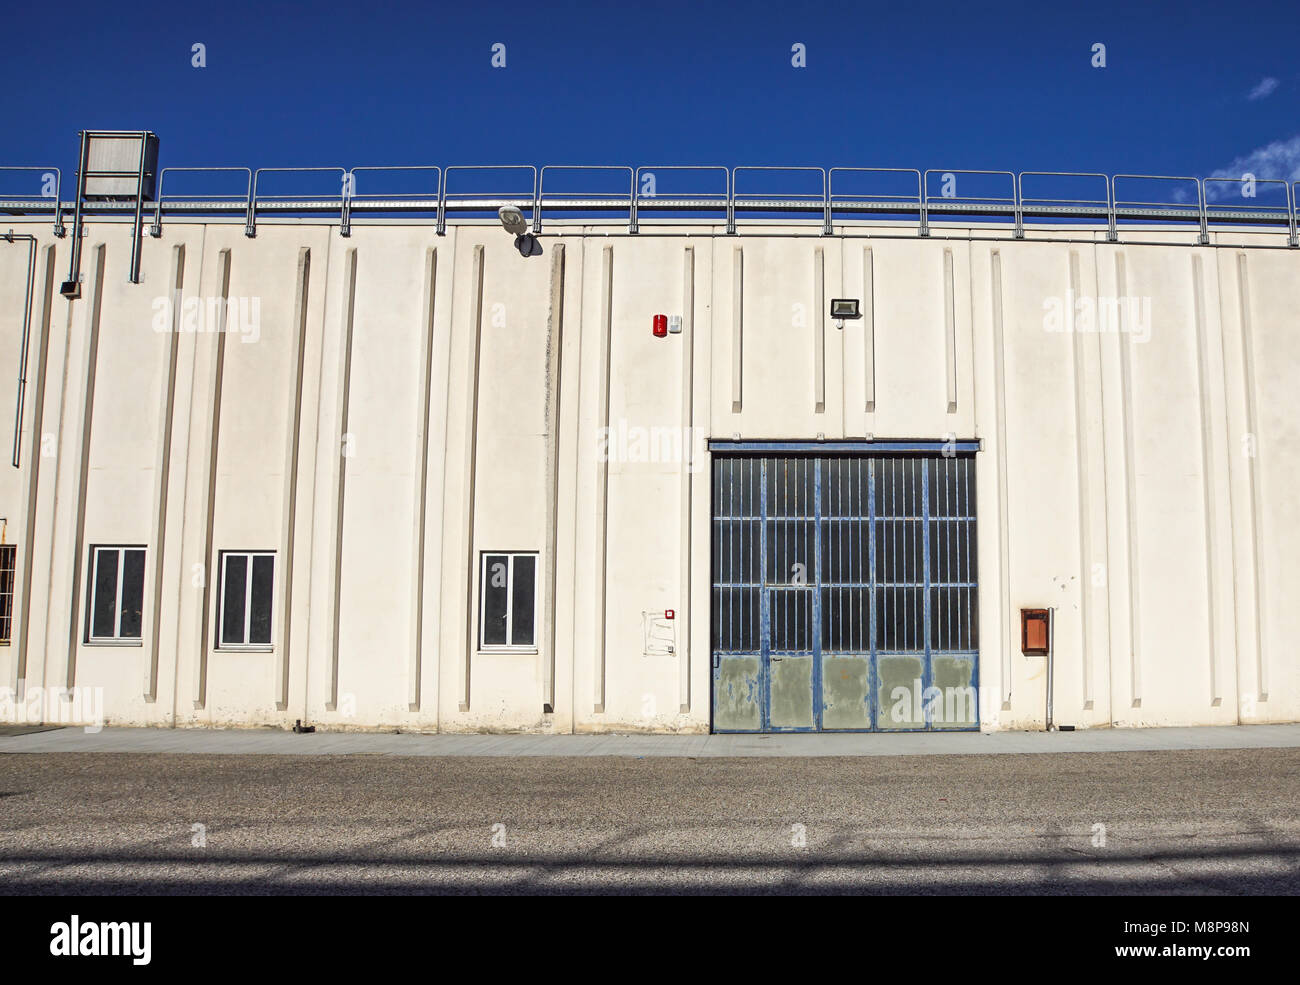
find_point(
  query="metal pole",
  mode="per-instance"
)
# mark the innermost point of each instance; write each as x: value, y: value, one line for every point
x: 250, y: 217
x: 345, y: 206
x: 22, y: 354
x: 59, y: 231
x: 826, y: 205
x: 631, y: 216
x: 72, y: 289
x: 1204, y: 238
x: 137, y: 228
x: 1051, y: 647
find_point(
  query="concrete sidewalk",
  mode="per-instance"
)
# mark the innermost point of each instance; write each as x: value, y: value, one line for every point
x: 251, y: 742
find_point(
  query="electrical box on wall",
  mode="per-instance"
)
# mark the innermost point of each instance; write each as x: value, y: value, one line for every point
x: 1034, y: 637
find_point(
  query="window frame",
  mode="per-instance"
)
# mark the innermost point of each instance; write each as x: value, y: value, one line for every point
x: 7, y: 597
x: 508, y: 646
x: 245, y: 647
x: 90, y: 639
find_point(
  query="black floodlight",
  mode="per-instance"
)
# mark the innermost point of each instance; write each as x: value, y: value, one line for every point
x: 845, y: 308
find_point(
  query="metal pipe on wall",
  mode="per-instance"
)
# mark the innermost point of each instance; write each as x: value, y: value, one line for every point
x: 139, y: 214
x: 72, y: 287
x: 12, y: 237
x: 1051, y: 628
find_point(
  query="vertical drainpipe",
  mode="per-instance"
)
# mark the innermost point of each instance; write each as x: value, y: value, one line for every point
x: 1051, y: 658
x: 26, y: 336
x: 554, y: 368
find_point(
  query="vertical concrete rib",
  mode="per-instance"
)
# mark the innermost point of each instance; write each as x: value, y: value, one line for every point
x: 288, y: 519
x: 342, y: 451
x: 83, y: 475
x: 1082, y: 472
x: 162, y: 478
x: 1253, y: 472
x: 737, y: 327
x: 1208, y: 474
x: 688, y: 477
x: 819, y: 330
x: 200, y: 691
x: 470, y: 473
x: 868, y: 331
x: 1004, y: 535
x: 22, y: 611
x: 949, y: 332
x: 1130, y: 481
x: 602, y: 478
x: 554, y: 367
x: 414, y: 673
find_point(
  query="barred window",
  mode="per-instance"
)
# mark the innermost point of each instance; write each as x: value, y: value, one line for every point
x: 8, y: 560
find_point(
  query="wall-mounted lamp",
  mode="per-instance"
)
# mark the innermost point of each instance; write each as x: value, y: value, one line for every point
x: 842, y: 308
x: 513, y: 221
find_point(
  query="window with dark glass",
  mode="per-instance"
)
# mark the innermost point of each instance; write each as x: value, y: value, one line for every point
x: 247, y: 586
x: 508, y: 600
x: 115, y: 597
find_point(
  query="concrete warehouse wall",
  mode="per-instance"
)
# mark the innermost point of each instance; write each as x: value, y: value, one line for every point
x: 393, y: 403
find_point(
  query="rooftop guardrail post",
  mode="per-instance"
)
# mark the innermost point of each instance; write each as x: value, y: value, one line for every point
x: 155, y: 230
x: 1291, y: 204
x: 1112, y: 224
x: 632, y: 227
x: 345, y: 208
x: 731, y: 201
x: 440, y: 226
x: 1204, y: 238
x: 59, y: 229
x: 826, y: 203
x: 1019, y: 207
x: 538, y: 178
x: 539, y: 194
x: 250, y: 218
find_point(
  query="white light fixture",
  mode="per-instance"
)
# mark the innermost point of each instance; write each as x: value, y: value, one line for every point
x: 513, y: 220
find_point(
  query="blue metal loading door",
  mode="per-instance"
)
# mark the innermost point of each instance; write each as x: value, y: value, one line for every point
x: 844, y: 591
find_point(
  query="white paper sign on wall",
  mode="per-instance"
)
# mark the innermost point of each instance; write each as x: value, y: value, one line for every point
x: 659, y: 633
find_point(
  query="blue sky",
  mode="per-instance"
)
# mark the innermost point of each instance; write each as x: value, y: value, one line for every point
x: 926, y: 85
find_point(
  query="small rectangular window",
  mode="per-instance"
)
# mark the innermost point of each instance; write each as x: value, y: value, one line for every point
x: 115, y: 596
x: 247, y: 584
x: 508, y: 601
x: 8, y: 562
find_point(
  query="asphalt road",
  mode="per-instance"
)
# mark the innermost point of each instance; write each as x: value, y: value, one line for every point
x: 1185, y: 822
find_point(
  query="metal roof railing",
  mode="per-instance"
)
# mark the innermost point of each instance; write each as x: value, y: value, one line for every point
x: 831, y: 195
x: 29, y: 204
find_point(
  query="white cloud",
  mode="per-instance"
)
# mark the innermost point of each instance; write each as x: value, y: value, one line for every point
x: 1264, y: 89
x: 1280, y: 159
